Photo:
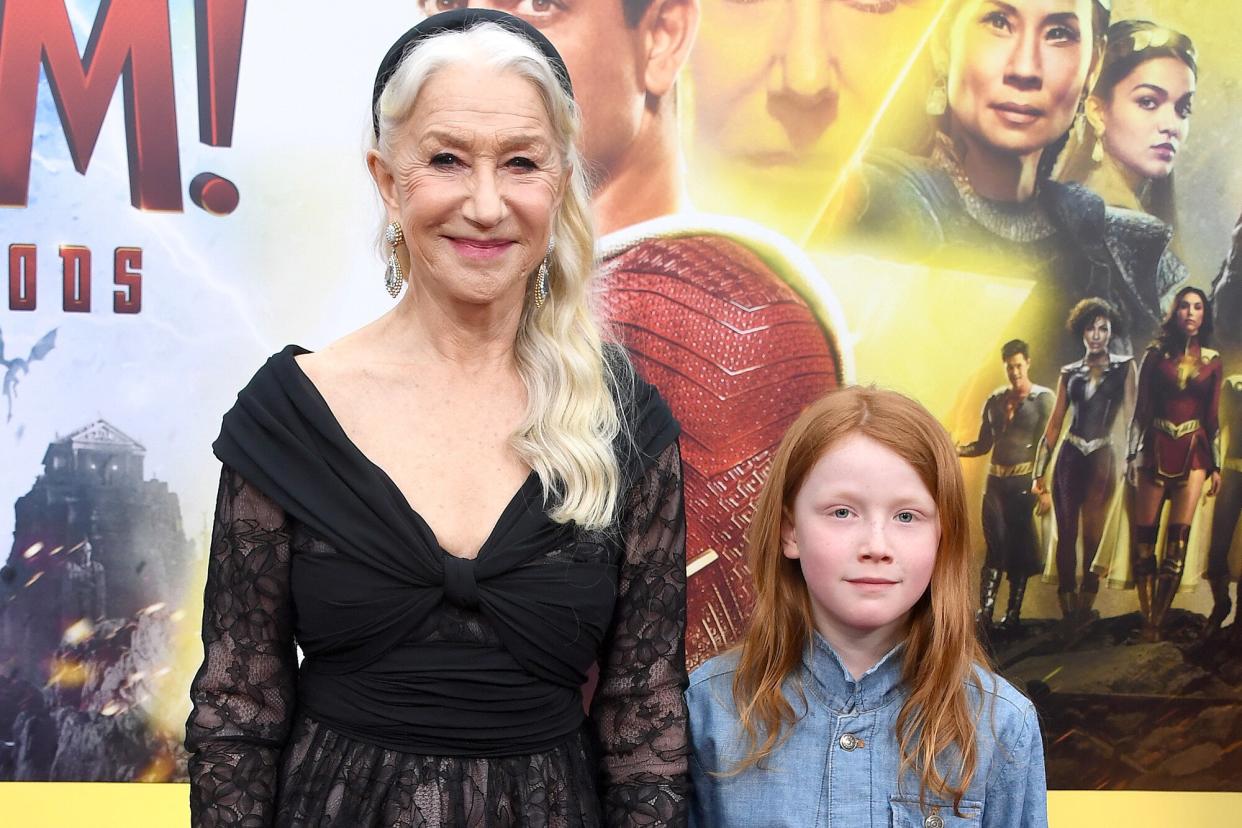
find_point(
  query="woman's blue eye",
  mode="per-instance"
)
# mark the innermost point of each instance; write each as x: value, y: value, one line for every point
x: 443, y: 159
x: 523, y: 163
x: 841, y: 513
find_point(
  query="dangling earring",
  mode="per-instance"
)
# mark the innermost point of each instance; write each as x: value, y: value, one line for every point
x: 541, y: 278
x: 393, y: 277
x: 937, y: 98
x: 1080, y: 121
x: 1097, y: 152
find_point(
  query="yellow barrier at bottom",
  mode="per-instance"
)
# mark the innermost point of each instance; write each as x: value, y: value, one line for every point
x: 100, y: 805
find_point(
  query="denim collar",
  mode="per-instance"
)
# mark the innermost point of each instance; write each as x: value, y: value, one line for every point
x: 831, y: 683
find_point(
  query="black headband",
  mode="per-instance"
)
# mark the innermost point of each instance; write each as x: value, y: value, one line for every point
x: 455, y: 21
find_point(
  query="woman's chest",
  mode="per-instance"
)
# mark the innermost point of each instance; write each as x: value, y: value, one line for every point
x: 347, y: 586
x: 1095, y: 392
x: 1184, y: 377
x: 446, y: 450
x: 458, y: 482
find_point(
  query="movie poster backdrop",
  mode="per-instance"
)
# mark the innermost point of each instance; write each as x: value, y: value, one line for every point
x: 184, y: 193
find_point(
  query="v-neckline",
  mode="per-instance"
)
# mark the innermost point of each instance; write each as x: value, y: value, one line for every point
x: 518, y: 499
x: 1093, y: 385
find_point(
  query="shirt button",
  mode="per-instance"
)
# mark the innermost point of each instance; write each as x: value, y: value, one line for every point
x: 848, y: 741
x: 933, y: 821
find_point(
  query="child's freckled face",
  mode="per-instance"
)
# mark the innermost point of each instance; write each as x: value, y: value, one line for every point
x: 865, y: 529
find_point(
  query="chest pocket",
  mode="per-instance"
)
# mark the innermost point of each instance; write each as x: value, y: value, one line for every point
x: 934, y: 814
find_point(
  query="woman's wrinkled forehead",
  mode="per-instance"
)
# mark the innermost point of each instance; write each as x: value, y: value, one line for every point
x: 470, y: 102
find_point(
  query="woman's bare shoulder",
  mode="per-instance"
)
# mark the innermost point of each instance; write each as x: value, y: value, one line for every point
x: 342, y: 356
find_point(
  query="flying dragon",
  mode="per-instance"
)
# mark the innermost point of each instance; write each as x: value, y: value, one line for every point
x: 16, y: 367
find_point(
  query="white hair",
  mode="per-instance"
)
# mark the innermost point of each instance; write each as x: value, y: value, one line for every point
x: 572, y: 420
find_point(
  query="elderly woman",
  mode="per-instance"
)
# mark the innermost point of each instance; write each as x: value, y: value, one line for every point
x: 456, y: 510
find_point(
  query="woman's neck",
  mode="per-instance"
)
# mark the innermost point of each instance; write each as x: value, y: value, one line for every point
x: 1177, y: 343
x: 1096, y: 358
x: 473, y: 338
x: 995, y: 174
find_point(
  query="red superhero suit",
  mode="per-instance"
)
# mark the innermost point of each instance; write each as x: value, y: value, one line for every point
x: 1178, y: 411
x: 1175, y: 421
x: 736, y: 329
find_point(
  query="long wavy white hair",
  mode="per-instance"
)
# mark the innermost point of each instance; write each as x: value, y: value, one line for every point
x: 572, y: 420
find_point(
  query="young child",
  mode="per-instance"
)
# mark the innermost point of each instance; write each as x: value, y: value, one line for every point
x: 859, y: 695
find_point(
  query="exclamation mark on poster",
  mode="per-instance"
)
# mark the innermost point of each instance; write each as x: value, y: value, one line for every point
x: 218, y: 24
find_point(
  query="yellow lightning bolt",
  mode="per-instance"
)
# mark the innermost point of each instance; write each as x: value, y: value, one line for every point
x: 864, y: 143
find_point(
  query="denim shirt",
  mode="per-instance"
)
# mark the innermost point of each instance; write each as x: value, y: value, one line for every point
x: 838, y: 766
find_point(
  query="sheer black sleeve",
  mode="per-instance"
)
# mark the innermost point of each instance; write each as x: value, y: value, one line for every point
x: 243, y: 692
x: 638, y: 712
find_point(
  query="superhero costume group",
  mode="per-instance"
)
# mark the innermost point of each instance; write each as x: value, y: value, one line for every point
x: 1172, y: 413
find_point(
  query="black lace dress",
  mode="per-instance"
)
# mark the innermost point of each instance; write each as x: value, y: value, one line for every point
x: 434, y: 690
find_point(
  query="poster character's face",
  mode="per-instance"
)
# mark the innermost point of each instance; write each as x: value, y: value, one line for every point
x: 603, y: 56
x: 1017, y: 368
x: 865, y: 530
x: 474, y: 178
x: 784, y: 90
x: 1097, y: 334
x: 1148, y: 116
x: 1016, y: 71
x: 1189, y: 313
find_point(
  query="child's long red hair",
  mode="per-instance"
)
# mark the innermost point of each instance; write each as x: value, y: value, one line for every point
x: 942, y: 652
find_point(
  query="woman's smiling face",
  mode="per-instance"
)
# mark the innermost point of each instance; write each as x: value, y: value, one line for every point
x: 475, y: 179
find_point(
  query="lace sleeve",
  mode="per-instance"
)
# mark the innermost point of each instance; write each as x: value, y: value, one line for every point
x: 243, y: 692
x: 638, y: 711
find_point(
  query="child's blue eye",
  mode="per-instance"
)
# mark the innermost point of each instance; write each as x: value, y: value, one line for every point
x: 841, y: 512
x: 905, y: 517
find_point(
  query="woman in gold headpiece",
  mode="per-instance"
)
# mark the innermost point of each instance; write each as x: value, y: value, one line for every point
x: 1137, y: 119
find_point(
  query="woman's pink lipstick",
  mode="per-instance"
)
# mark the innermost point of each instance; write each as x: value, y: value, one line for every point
x: 481, y: 248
